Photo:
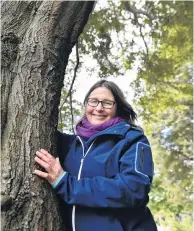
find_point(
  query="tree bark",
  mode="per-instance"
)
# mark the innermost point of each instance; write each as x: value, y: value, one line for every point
x: 37, y: 38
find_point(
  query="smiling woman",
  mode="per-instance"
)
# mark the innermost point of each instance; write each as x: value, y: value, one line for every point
x: 100, y: 106
x: 103, y: 174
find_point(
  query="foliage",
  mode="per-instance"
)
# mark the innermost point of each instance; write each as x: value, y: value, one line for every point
x: 166, y: 108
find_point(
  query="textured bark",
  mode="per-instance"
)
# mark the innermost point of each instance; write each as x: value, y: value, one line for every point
x: 37, y: 38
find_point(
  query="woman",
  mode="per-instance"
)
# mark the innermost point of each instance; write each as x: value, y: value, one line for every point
x: 107, y: 168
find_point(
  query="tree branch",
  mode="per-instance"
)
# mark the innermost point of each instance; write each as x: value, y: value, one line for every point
x: 188, y: 158
x: 135, y: 11
x: 117, y: 32
x: 146, y: 46
x: 71, y: 108
x: 71, y: 87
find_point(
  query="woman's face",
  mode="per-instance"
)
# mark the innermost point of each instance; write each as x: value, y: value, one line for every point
x: 97, y: 114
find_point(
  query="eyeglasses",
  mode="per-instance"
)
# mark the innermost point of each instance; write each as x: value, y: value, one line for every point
x: 108, y: 104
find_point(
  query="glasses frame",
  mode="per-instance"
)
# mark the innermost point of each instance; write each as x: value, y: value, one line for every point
x: 101, y: 101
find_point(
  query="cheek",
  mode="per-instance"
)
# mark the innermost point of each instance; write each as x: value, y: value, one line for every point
x: 88, y: 110
x: 114, y: 112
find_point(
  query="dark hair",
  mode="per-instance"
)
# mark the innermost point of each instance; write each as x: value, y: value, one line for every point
x: 124, y: 109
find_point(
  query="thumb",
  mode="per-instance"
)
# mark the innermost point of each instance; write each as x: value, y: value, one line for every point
x: 58, y: 161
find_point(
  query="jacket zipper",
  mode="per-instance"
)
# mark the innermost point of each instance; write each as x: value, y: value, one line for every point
x: 141, y: 158
x: 79, y: 176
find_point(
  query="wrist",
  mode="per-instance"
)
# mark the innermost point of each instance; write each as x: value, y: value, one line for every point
x: 56, y: 182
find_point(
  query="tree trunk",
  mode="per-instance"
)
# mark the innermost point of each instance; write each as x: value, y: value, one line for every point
x: 37, y: 38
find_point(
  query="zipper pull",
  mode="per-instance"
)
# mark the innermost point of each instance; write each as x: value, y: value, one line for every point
x: 141, y: 157
x: 80, y: 168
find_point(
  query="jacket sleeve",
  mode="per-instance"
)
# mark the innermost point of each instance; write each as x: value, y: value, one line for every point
x: 64, y: 142
x: 129, y: 188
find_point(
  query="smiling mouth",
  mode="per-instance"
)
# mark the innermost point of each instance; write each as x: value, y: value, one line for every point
x: 101, y: 116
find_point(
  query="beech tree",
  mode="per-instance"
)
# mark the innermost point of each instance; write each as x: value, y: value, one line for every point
x: 37, y: 38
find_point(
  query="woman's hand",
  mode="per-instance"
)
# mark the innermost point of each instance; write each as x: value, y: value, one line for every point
x: 50, y: 164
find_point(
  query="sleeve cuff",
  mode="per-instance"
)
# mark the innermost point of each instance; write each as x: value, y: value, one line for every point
x: 58, y: 180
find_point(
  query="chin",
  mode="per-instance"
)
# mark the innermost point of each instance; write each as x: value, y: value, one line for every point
x: 97, y: 122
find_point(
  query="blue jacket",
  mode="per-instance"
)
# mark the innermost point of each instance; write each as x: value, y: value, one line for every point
x: 108, y: 180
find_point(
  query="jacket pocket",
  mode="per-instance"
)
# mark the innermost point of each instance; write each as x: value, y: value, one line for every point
x: 143, y: 161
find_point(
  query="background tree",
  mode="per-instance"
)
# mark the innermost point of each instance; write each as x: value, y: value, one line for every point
x: 37, y: 38
x: 165, y: 83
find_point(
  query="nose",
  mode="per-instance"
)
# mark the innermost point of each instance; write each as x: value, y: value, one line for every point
x: 99, y: 107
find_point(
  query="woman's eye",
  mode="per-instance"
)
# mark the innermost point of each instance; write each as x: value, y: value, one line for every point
x: 93, y: 101
x: 107, y: 103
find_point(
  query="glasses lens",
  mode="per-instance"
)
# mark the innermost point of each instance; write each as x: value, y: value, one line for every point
x: 107, y: 104
x: 92, y: 102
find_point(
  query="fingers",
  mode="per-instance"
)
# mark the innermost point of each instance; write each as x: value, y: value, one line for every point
x: 58, y: 161
x: 45, y: 152
x: 41, y: 174
x: 50, y: 164
x: 45, y: 156
x: 44, y: 159
x: 42, y: 156
x: 42, y: 163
